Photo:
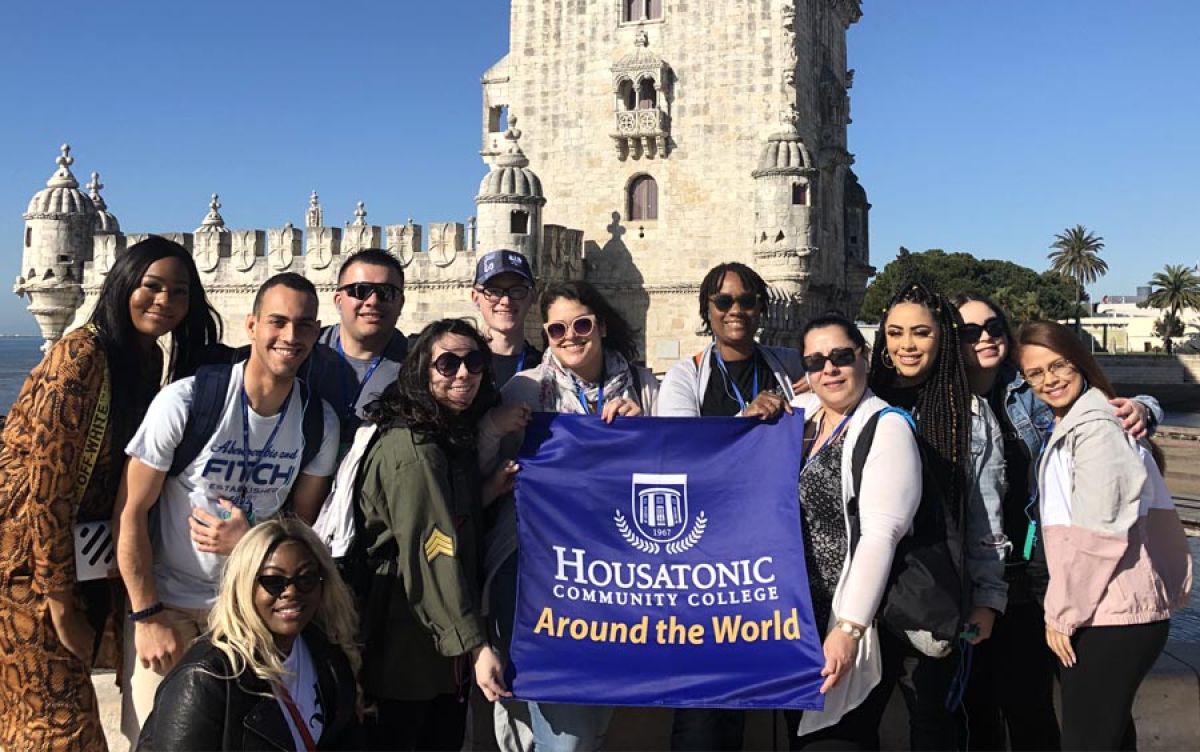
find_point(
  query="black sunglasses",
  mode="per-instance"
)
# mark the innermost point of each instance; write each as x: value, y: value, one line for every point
x: 839, y: 356
x: 275, y: 584
x: 723, y: 301
x: 448, y: 363
x: 495, y: 294
x: 972, y: 333
x: 362, y: 290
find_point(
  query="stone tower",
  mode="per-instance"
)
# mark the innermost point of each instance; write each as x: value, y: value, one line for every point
x: 510, y: 201
x: 59, y: 226
x: 680, y: 135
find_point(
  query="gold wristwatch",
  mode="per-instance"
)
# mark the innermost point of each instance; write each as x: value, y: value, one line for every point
x: 855, y: 632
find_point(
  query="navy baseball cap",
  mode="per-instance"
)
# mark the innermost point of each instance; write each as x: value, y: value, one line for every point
x: 495, y: 263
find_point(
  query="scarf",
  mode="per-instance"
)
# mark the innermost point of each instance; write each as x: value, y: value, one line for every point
x: 560, y: 387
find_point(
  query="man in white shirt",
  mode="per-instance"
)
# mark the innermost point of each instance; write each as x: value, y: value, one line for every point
x: 251, y: 468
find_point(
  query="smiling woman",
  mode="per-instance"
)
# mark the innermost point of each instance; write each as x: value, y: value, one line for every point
x: 277, y: 665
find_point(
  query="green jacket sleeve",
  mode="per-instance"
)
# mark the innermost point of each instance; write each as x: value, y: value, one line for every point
x: 431, y: 512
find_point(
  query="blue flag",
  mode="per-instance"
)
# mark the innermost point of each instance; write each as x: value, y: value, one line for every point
x: 661, y: 563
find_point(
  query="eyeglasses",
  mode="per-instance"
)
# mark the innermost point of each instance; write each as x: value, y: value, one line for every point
x: 969, y: 334
x: 448, y: 363
x: 1061, y: 368
x: 582, y: 326
x: 747, y: 301
x: 839, y: 356
x: 495, y: 294
x: 275, y: 584
x: 385, y: 292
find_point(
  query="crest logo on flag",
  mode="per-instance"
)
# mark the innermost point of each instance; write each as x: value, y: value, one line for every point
x: 659, y: 509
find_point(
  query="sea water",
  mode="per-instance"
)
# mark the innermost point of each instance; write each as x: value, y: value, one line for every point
x: 18, y: 356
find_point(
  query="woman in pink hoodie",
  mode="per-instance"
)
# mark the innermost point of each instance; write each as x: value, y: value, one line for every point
x: 1116, y: 552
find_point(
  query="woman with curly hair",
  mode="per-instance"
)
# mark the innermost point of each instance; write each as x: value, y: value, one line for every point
x: 60, y: 465
x: 420, y: 493
x: 277, y: 664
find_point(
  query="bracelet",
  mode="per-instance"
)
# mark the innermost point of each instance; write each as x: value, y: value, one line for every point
x: 854, y: 632
x: 146, y: 613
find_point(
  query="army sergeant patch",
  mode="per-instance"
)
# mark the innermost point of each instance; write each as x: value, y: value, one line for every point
x: 437, y: 544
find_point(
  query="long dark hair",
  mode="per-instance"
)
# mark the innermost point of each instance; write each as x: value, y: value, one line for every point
x: 942, y: 407
x: 711, y: 285
x: 970, y: 296
x: 619, y: 336
x: 407, y: 400
x: 135, y: 379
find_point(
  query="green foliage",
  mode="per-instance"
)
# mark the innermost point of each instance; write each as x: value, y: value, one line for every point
x: 1021, y: 291
x: 1174, y: 289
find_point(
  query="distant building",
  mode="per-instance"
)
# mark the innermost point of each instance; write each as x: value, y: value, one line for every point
x: 1124, y: 323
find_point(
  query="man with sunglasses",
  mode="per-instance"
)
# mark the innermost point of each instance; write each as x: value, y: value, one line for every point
x: 252, y: 466
x: 503, y: 293
x: 356, y: 358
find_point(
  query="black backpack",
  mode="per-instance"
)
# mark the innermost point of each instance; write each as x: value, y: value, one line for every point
x: 208, y: 403
x: 926, y: 585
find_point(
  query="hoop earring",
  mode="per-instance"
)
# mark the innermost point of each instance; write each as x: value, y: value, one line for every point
x: 886, y: 358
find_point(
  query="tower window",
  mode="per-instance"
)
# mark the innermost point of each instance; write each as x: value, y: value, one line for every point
x: 647, y: 96
x: 498, y: 119
x: 799, y: 194
x: 643, y: 198
x: 28, y: 236
x: 519, y: 223
x: 641, y: 10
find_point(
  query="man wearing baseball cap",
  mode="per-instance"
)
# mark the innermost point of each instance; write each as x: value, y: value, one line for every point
x: 503, y: 293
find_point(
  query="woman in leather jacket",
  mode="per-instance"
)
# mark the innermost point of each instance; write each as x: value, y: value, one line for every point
x: 276, y: 668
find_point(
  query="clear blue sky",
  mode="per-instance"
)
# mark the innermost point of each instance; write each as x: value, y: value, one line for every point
x: 979, y: 126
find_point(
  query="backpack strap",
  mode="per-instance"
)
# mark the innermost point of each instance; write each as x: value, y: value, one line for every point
x: 636, y: 378
x: 208, y: 402
x: 313, y: 423
x: 862, y: 448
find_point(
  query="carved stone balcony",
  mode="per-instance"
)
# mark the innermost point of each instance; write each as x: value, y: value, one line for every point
x: 642, y: 133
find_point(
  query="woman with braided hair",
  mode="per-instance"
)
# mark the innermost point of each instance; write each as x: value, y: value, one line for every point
x: 949, y: 571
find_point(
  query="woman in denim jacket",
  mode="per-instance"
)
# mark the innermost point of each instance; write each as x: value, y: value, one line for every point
x: 1010, y: 695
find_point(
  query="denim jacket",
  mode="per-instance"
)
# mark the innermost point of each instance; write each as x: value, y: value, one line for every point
x: 984, y: 552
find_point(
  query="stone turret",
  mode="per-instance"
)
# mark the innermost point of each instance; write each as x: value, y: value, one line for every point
x: 106, y: 222
x: 510, y: 202
x: 59, y: 226
x: 785, y: 234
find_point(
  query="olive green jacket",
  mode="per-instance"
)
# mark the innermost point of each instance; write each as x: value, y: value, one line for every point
x: 422, y: 529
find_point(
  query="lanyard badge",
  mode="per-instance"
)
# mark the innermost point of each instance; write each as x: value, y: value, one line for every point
x: 248, y: 470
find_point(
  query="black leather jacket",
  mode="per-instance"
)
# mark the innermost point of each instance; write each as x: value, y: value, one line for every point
x: 195, y: 709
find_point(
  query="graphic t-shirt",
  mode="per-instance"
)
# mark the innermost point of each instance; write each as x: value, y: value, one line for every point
x: 186, y: 577
x: 300, y: 681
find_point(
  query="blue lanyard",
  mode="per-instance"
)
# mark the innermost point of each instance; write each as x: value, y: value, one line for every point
x: 248, y: 470
x: 837, y: 430
x: 352, y: 403
x: 737, y: 393
x: 583, y: 397
x: 1031, y: 528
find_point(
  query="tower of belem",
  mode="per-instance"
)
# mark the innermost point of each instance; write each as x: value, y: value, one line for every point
x: 674, y: 134
x: 681, y: 133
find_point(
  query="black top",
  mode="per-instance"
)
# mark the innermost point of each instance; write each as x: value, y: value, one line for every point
x: 719, y: 399
x: 197, y: 709
x: 504, y: 367
x: 824, y: 527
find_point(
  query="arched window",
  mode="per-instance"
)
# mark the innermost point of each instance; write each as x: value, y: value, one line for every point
x: 647, y: 96
x: 643, y: 198
x: 641, y: 10
x: 799, y: 194
x: 626, y: 93
x: 28, y: 236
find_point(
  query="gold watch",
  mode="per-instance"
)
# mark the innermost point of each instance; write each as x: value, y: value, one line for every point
x: 854, y: 631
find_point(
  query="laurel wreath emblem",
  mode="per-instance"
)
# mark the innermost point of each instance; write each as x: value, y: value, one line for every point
x: 641, y: 544
x: 691, y: 539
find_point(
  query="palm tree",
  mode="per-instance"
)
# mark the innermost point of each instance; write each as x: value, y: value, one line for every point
x: 1175, y: 288
x: 1077, y: 255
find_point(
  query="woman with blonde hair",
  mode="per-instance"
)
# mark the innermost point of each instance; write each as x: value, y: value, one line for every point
x: 278, y: 662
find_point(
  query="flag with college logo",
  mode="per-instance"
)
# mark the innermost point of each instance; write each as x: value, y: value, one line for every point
x: 661, y: 563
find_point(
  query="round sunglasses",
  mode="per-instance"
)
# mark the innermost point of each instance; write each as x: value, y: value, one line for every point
x: 839, y: 356
x: 448, y: 363
x: 275, y: 584
x: 972, y: 333
x: 582, y: 326
x: 384, y: 292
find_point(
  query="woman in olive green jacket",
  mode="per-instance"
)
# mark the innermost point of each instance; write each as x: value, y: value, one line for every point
x: 420, y: 494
